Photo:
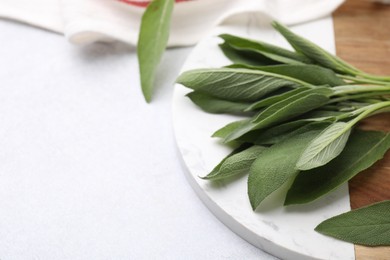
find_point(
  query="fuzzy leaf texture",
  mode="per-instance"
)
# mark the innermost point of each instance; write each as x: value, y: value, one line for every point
x: 228, y: 129
x: 245, y: 57
x: 275, y: 98
x: 240, y: 85
x: 329, y: 144
x: 363, y: 149
x: 235, y: 164
x: 275, y: 166
x: 279, y: 132
x: 270, y: 137
x: 314, y: 52
x: 283, y: 110
x: 264, y: 50
x: 312, y: 74
x: 152, y: 41
x: 369, y: 226
x: 214, y: 105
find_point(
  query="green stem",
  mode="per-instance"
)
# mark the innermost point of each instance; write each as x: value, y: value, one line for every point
x: 353, y: 89
x: 363, y: 112
x: 358, y: 96
x: 374, y: 77
x: 369, y: 110
x: 363, y: 80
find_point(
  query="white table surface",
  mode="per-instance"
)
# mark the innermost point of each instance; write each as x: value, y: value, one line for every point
x: 88, y: 170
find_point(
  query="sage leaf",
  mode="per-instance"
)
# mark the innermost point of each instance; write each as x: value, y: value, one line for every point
x: 274, y: 134
x: 215, y: 105
x: 314, y: 52
x: 270, y: 51
x: 275, y: 166
x: 268, y: 137
x: 312, y: 74
x: 239, y: 149
x: 236, y: 84
x: 275, y: 98
x: 235, y: 164
x: 279, y: 132
x: 324, y: 114
x: 369, y: 226
x: 152, y: 41
x: 294, y: 105
x: 239, y: 131
x: 362, y: 150
x: 283, y: 110
x: 325, y: 147
x: 245, y: 57
x: 230, y: 128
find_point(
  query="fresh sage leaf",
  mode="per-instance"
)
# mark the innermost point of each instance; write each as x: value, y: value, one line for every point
x: 275, y: 98
x: 241, y: 85
x: 240, y: 131
x: 294, y: 105
x: 369, y: 226
x: 239, y: 149
x: 312, y: 74
x: 245, y: 57
x: 270, y: 51
x: 235, y: 164
x: 275, y: 166
x: 215, y: 105
x: 314, y: 52
x: 267, y: 138
x: 283, y: 110
x: 278, y: 133
x: 152, y: 41
x: 230, y: 128
x: 329, y: 144
x: 274, y: 134
x: 362, y: 150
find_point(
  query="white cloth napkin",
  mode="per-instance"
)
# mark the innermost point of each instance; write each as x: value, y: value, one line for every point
x: 87, y: 21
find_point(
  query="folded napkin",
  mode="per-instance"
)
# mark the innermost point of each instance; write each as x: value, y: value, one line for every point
x: 87, y: 21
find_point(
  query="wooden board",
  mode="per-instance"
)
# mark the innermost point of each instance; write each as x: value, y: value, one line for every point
x: 362, y: 32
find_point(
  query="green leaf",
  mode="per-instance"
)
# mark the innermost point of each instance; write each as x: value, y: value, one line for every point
x: 229, y: 128
x: 278, y: 133
x: 283, y: 110
x: 294, y: 105
x: 325, y: 147
x: 362, y: 150
x: 369, y: 226
x: 239, y: 149
x: 312, y: 74
x: 215, y: 105
x: 235, y: 164
x: 152, y: 41
x: 275, y: 136
x: 267, y: 50
x: 245, y: 57
x: 272, y: 135
x: 275, y: 166
x: 275, y: 98
x: 236, y: 84
x: 314, y: 52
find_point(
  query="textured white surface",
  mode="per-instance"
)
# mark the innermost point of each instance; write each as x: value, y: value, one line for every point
x: 88, y: 170
x: 287, y: 232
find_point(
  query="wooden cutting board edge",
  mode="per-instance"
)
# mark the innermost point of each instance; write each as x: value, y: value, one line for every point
x: 362, y: 34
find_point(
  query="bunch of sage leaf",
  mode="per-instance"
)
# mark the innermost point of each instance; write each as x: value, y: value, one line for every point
x: 301, y: 110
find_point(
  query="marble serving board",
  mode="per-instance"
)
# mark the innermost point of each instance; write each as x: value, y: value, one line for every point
x: 286, y: 232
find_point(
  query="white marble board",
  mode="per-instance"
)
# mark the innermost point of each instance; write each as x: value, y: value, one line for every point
x: 286, y: 232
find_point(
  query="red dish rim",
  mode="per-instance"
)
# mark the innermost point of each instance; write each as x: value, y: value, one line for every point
x: 143, y: 3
